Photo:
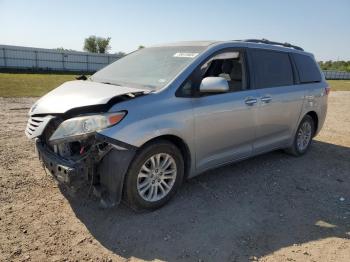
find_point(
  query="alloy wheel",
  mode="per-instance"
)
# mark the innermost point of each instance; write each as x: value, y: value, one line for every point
x: 304, y: 136
x: 156, y: 177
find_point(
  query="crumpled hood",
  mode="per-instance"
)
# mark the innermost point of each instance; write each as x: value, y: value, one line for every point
x: 75, y: 94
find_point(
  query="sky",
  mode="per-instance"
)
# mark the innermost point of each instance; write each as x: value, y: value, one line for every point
x: 321, y: 27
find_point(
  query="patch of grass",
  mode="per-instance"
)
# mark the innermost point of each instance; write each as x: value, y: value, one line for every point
x: 17, y: 85
x: 339, y: 85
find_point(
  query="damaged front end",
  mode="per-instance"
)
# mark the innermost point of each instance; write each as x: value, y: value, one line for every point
x: 65, y: 124
x: 97, y: 159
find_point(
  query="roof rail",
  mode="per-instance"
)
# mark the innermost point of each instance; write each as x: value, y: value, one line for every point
x: 265, y: 41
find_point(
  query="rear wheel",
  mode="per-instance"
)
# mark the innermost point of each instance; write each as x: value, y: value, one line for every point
x: 303, y: 137
x: 154, y: 176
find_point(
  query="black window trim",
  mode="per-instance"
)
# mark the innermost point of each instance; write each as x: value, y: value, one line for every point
x: 295, y: 69
x: 195, y: 93
x: 253, y: 77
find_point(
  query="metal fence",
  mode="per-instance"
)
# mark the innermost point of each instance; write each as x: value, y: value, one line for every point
x: 336, y: 75
x: 40, y: 59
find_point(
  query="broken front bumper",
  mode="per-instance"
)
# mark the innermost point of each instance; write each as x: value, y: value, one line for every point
x: 64, y: 171
x: 105, y: 170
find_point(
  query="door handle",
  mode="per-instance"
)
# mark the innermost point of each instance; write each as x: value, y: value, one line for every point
x: 250, y: 101
x: 266, y: 99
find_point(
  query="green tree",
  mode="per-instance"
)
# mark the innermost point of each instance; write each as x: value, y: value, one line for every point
x: 90, y: 44
x: 335, y: 65
x: 103, y: 44
x: 141, y: 46
x: 96, y: 44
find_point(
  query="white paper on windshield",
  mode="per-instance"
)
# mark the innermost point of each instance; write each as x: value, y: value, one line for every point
x: 186, y: 55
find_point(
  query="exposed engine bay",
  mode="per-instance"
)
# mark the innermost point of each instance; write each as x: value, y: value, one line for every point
x: 99, y: 160
x: 100, y: 163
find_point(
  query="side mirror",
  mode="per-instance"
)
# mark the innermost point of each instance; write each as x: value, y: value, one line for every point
x: 214, y: 85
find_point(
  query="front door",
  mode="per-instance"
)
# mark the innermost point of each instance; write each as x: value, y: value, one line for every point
x: 224, y: 127
x: 225, y: 122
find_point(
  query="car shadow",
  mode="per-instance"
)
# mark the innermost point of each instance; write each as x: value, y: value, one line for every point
x: 251, y: 208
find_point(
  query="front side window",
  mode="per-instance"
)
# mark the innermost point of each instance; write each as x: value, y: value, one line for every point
x: 228, y: 65
x: 149, y: 68
x: 271, y: 69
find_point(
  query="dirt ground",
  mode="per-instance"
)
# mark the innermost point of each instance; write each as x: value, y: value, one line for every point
x: 274, y: 207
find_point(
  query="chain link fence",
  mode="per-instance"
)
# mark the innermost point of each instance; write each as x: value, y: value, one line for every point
x: 40, y: 59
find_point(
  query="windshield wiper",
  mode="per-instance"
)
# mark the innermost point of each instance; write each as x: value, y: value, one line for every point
x: 108, y: 83
x: 81, y: 77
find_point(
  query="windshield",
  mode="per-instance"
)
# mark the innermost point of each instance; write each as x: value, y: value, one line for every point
x: 150, y: 68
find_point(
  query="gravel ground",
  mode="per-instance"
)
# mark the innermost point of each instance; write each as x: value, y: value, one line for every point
x: 274, y: 207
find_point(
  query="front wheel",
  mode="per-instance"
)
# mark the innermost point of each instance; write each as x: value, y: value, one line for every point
x: 154, y: 175
x: 303, y: 137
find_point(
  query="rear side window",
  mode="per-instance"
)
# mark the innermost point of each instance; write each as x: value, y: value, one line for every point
x: 307, y: 69
x: 272, y: 69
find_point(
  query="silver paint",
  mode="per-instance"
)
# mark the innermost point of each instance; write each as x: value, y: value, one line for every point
x: 78, y: 93
x: 216, y: 129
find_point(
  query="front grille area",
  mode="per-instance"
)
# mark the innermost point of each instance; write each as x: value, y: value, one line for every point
x: 36, y: 126
x: 33, y: 124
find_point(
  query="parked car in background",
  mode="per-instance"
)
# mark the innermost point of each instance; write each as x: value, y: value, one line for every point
x: 140, y: 126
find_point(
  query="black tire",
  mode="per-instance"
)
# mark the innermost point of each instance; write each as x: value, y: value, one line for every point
x: 295, y: 150
x: 131, y: 194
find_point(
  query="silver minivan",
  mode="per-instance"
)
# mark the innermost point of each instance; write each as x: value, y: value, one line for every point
x: 140, y: 126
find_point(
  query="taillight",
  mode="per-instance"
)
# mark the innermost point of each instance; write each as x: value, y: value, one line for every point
x: 327, y: 90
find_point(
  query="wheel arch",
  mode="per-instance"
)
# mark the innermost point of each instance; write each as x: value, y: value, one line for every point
x: 180, y: 144
x: 314, y: 117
